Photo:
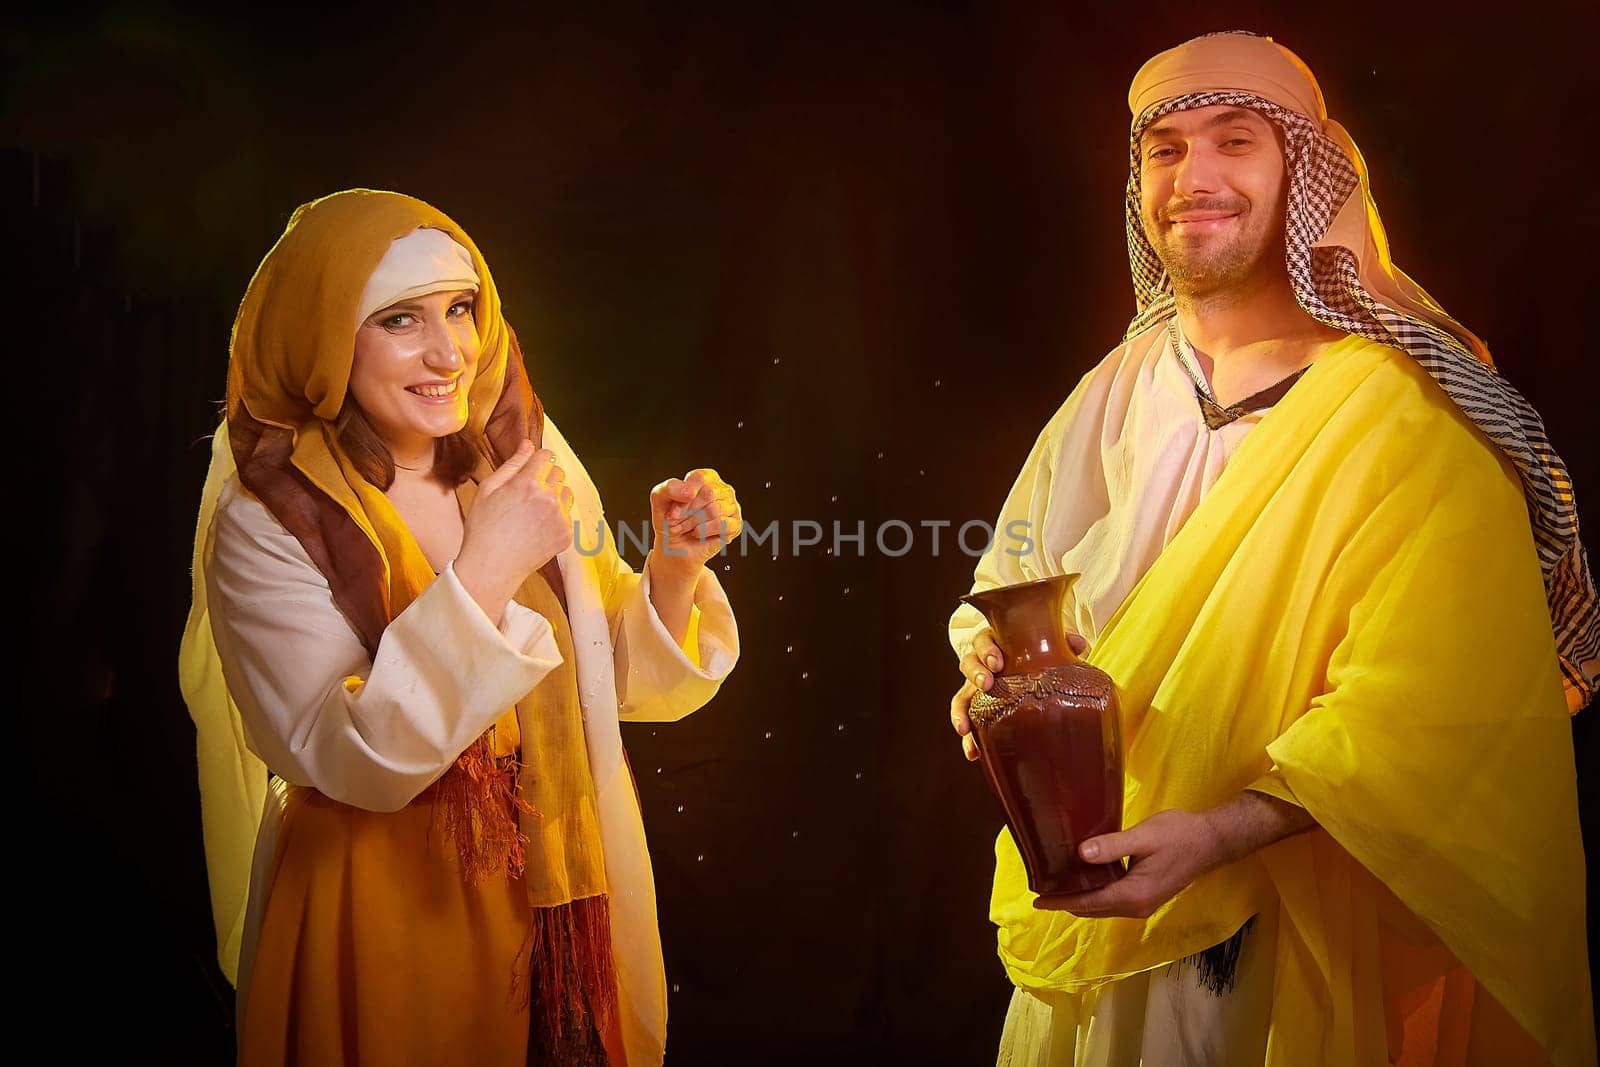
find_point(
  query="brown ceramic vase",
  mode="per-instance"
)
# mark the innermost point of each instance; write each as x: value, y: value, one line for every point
x: 1049, y: 738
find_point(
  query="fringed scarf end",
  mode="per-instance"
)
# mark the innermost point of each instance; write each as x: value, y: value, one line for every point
x: 479, y: 803
x: 569, y: 948
x: 1216, y: 968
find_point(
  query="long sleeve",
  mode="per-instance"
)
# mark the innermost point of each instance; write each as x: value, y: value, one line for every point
x: 370, y: 732
x: 657, y: 680
x: 1112, y: 478
x: 1015, y: 553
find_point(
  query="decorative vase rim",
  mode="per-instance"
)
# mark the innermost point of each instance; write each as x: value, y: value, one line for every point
x: 967, y: 598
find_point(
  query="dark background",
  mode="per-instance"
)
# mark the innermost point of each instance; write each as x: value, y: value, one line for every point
x: 852, y: 257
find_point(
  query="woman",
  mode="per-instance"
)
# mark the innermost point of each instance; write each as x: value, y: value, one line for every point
x: 391, y: 615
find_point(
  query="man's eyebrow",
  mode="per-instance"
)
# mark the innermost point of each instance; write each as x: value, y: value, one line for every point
x: 1241, y: 115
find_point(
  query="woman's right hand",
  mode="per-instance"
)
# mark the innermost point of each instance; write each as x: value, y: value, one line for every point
x: 520, y: 520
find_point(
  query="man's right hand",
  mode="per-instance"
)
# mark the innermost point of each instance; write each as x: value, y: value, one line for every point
x: 979, y: 667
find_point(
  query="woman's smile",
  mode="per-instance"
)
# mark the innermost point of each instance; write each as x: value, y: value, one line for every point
x: 435, y: 392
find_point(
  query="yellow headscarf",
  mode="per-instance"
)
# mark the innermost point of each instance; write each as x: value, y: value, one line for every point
x: 293, y: 345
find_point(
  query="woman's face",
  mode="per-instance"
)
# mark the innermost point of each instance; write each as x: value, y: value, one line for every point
x: 414, y: 365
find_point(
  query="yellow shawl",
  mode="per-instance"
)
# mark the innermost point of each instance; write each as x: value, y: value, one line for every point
x: 1352, y: 619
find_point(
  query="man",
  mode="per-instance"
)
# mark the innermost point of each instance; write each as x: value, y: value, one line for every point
x: 1332, y: 564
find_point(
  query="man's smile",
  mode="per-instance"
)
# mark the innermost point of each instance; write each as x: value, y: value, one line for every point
x: 1202, y: 221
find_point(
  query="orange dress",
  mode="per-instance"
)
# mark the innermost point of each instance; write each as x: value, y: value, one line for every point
x: 373, y: 948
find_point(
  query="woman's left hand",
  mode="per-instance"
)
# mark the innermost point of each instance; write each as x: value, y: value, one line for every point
x: 694, y: 517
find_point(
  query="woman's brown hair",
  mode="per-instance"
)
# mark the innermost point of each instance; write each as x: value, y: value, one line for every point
x: 454, y: 455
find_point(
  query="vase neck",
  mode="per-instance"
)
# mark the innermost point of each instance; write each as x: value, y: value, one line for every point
x: 1028, y: 623
x: 1033, y: 646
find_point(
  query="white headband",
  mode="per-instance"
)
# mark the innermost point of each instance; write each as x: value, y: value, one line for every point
x: 423, y: 261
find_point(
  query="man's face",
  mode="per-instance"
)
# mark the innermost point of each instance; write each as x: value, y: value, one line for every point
x: 1211, y: 182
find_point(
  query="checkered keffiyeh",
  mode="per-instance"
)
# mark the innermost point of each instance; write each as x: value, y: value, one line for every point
x: 1327, y: 284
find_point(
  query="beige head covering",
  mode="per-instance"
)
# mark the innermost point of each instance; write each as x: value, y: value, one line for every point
x: 423, y: 261
x: 1342, y: 275
x: 1241, y: 61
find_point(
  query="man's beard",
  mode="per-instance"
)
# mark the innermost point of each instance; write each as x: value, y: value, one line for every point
x: 1219, y: 263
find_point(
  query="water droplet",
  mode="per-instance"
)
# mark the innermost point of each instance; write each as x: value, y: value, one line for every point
x: 727, y: 566
x: 780, y: 595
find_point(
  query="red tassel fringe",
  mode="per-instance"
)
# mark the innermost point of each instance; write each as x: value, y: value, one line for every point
x: 479, y: 804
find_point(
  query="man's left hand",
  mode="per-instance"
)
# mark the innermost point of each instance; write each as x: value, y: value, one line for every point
x: 1170, y: 849
x: 1167, y: 851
